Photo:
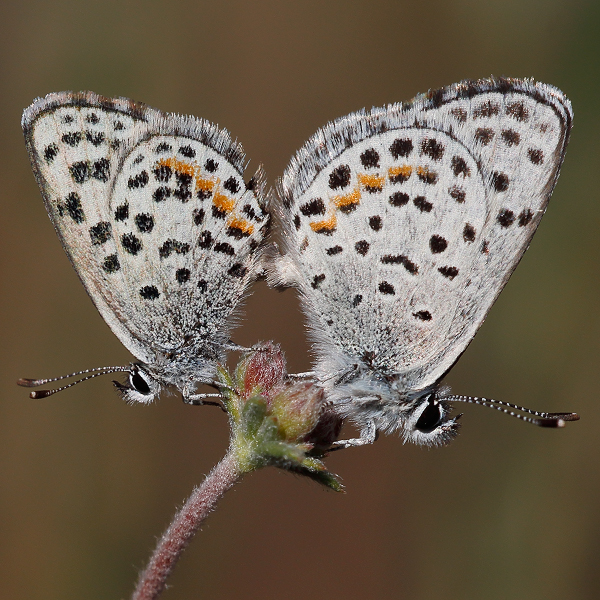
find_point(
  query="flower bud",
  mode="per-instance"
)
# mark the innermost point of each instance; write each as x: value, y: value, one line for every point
x: 276, y: 421
x: 262, y: 371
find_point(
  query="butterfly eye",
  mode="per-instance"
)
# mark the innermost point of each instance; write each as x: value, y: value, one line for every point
x: 430, y: 418
x: 139, y: 384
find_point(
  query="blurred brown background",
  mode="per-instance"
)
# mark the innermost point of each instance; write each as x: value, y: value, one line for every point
x: 87, y: 483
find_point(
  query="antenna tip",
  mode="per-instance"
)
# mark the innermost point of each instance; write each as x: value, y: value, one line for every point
x: 564, y: 417
x: 41, y: 394
x: 24, y: 382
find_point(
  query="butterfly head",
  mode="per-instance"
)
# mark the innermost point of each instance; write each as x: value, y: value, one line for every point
x: 141, y: 385
x: 428, y: 422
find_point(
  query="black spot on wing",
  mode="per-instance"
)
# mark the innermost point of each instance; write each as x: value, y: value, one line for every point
x: 518, y: 111
x: 317, y: 280
x: 138, y: 181
x: 122, y: 212
x: 162, y: 173
x: 100, y: 233
x: 100, y: 169
x: 111, y: 264
x: 432, y: 148
x: 386, y: 288
x: 149, y: 292
x: 72, y: 207
x: 457, y: 193
x: 339, y: 178
x: 72, y: 139
x: 484, y: 135
x: 370, y: 159
x: 50, y: 153
x: 362, y: 247
x: 187, y: 151
x: 183, y: 190
x: 161, y: 193
x: 232, y: 185
x: 251, y: 213
x: 182, y: 275
x: 237, y: 232
x: 398, y: 199
x: 144, y: 222
x: 316, y: 206
x: 205, y: 240
x: 427, y: 176
x: 486, y: 109
x: 506, y: 217
x: 375, y: 222
x: 500, y: 181
x: 131, y: 243
x: 173, y: 246
x: 511, y: 137
x: 525, y: 217
x: 423, y: 315
x: 449, y: 272
x: 401, y: 147
x: 469, y: 233
x: 163, y: 147
x: 437, y: 244
x: 536, y: 156
x: 80, y: 171
x: 237, y: 270
x: 224, y: 248
x: 94, y: 137
x: 400, y: 259
x: 210, y: 165
x: 422, y: 204
x: 459, y: 167
x: 198, y: 216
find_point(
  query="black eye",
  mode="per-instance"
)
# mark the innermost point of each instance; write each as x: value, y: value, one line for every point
x: 139, y: 384
x: 430, y: 418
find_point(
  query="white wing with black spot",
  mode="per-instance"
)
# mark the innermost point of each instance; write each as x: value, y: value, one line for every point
x: 153, y: 211
x: 403, y: 224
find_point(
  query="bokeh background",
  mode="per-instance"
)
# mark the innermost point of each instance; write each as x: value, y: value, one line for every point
x: 87, y: 483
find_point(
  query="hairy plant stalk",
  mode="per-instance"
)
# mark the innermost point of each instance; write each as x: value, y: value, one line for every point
x: 184, y: 525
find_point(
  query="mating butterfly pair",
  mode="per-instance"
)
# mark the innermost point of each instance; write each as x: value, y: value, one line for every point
x: 399, y: 227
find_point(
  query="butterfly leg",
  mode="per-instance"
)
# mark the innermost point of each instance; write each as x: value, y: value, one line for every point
x: 305, y: 375
x: 368, y: 435
x: 233, y: 347
x: 201, y: 399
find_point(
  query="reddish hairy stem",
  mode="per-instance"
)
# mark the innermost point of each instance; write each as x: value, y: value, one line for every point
x: 183, y: 527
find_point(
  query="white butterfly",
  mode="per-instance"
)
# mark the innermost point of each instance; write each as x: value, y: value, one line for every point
x: 400, y: 228
x: 154, y: 214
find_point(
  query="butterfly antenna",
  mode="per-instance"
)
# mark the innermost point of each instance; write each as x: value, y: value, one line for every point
x: 541, y: 419
x: 24, y: 382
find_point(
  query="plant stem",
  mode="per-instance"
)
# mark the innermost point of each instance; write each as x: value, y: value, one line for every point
x: 184, y: 525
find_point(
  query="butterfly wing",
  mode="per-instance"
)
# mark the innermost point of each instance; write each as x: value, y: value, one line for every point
x: 402, y: 225
x: 154, y: 214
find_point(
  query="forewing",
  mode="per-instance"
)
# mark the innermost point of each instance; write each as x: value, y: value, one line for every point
x: 153, y: 212
x: 403, y: 225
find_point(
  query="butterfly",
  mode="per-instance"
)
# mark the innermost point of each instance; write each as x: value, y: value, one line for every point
x: 400, y: 227
x: 163, y: 231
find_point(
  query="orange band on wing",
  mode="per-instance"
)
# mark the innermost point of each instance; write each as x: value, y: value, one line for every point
x: 401, y: 173
x: 347, y: 200
x: 241, y: 224
x: 372, y: 181
x: 180, y: 166
x: 223, y: 202
x: 325, y: 226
